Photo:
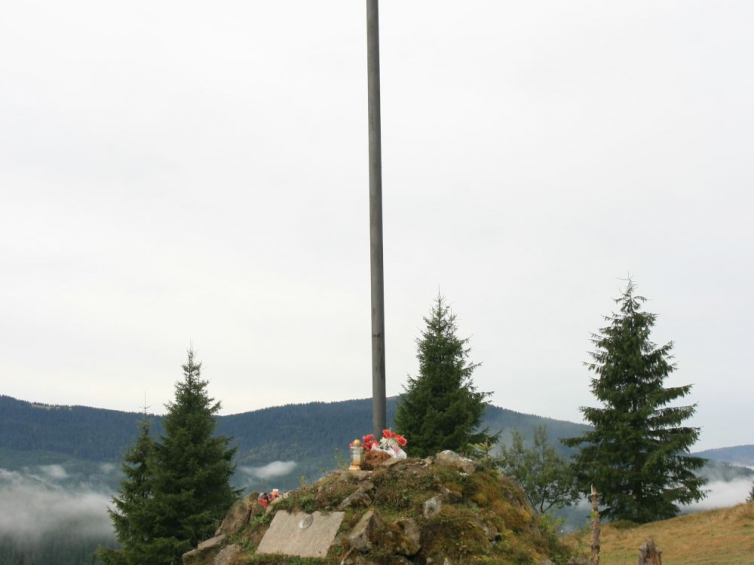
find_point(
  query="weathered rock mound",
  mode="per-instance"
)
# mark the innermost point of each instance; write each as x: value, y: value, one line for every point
x: 444, y: 510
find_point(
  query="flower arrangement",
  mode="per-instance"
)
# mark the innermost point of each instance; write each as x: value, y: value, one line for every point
x: 390, y: 442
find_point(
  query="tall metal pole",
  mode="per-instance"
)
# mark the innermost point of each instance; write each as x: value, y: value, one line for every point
x: 375, y: 220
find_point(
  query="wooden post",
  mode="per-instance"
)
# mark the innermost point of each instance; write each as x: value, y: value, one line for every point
x: 595, y: 528
x: 650, y: 554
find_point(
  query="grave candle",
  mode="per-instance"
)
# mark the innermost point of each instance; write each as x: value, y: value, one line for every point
x: 357, y: 455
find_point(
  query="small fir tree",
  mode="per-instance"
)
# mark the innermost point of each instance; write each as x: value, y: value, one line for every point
x: 440, y: 408
x: 638, y: 453
x: 192, y: 470
x: 132, y: 516
x: 750, y: 498
x: 545, y: 476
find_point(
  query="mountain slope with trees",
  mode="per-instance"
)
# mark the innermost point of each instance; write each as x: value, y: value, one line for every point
x: 38, y: 434
x: 736, y: 455
x: 306, y: 433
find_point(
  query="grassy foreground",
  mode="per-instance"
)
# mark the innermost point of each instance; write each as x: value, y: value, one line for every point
x: 715, y: 537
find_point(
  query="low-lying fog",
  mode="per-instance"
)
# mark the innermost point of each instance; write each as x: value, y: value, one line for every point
x: 43, y: 500
x: 34, y: 506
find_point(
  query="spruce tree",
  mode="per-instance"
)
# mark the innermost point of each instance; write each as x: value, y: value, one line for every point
x: 637, y: 456
x: 192, y: 469
x: 440, y: 408
x: 132, y: 517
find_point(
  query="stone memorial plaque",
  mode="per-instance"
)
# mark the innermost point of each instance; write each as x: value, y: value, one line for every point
x: 301, y: 534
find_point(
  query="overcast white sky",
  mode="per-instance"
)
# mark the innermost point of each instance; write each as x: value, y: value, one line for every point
x: 175, y: 171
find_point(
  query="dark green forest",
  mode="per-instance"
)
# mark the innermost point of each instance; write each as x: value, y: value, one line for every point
x: 290, y: 432
x: 94, y: 434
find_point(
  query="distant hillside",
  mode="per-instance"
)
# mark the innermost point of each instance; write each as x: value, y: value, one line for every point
x: 500, y: 419
x: 276, y: 446
x: 94, y: 434
x: 290, y: 432
x: 738, y: 455
x: 61, y: 462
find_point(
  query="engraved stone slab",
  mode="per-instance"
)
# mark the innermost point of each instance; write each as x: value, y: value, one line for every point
x: 301, y: 534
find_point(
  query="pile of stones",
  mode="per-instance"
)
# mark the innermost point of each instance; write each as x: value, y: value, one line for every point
x: 363, y: 518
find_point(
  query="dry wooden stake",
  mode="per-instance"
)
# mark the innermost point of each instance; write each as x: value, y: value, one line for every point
x: 595, y: 528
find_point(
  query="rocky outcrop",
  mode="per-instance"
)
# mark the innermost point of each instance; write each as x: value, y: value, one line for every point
x: 227, y: 555
x: 239, y: 515
x: 358, y: 499
x: 364, y: 534
x: 205, y: 552
x: 451, y: 459
x: 442, y: 510
x: 432, y: 507
x: 412, y: 532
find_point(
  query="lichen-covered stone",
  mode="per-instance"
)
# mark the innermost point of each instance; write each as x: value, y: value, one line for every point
x: 450, y: 495
x: 236, y: 518
x: 394, y: 462
x: 204, y: 551
x: 452, y: 459
x: 432, y: 507
x: 192, y: 557
x: 358, y: 499
x: 211, y: 543
x: 364, y: 533
x: 366, y: 486
x: 227, y: 555
x: 412, y: 533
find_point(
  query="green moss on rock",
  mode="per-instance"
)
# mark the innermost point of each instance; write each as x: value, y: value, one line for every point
x: 483, y: 519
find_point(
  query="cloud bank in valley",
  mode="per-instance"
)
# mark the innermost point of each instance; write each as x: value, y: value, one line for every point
x: 271, y: 470
x: 54, y: 471
x: 723, y: 494
x: 32, y: 509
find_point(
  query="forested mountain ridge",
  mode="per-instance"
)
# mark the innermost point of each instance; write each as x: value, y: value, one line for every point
x: 58, y: 463
x: 289, y: 432
x: 95, y: 434
x: 32, y: 433
x: 738, y: 455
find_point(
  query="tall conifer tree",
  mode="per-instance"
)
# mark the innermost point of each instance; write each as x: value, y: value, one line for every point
x: 132, y: 516
x: 441, y: 409
x: 192, y: 470
x: 638, y: 454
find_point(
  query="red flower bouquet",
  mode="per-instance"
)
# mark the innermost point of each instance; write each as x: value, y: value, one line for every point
x: 390, y: 443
